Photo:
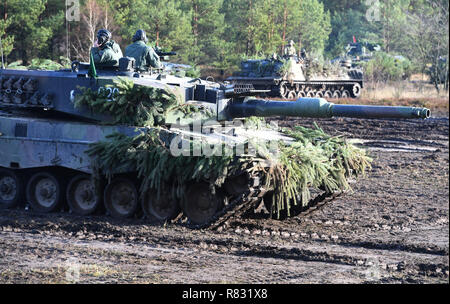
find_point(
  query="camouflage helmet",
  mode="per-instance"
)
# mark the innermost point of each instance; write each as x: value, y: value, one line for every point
x: 103, y: 36
x: 140, y: 35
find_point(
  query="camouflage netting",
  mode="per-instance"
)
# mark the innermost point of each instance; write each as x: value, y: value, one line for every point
x: 318, y: 67
x: 41, y: 64
x: 136, y: 105
x: 285, y: 67
x: 314, y: 160
x: 266, y: 68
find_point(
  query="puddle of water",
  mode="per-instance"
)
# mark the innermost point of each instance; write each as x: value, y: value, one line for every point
x: 390, y: 145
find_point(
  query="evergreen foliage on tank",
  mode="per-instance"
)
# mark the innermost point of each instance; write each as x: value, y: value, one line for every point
x: 314, y: 160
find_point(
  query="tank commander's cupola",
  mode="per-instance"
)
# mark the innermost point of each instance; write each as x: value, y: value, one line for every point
x: 127, y: 64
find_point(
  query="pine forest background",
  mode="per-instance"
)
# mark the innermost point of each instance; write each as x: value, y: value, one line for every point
x: 218, y: 34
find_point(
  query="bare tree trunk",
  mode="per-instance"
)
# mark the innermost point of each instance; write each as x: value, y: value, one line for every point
x: 106, y: 23
x: 300, y: 45
x: 93, y: 17
x: 388, y: 29
x: 5, y: 12
x: 249, y: 32
x: 5, y: 16
x: 284, y: 25
x: 157, y: 35
x: 195, y: 22
x: 384, y: 28
x: 195, y: 18
x: 91, y: 20
x: 270, y: 33
x: 446, y: 77
x: 67, y: 39
x: 24, y: 53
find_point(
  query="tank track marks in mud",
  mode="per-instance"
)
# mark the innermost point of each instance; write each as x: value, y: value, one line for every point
x: 318, y: 202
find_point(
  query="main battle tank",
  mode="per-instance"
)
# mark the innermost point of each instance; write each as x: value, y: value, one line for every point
x: 61, y: 139
x: 295, y: 77
x: 358, y: 52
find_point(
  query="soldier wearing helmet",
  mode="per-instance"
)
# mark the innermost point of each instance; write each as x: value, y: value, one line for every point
x: 290, y: 50
x: 106, y: 52
x: 145, y: 55
x: 303, y: 54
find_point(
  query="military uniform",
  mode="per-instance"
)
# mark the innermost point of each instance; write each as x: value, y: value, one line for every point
x: 290, y: 50
x: 145, y: 55
x: 108, y: 55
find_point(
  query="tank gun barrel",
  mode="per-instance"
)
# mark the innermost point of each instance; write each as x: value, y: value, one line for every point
x: 358, y: 111
x: 320, y: 108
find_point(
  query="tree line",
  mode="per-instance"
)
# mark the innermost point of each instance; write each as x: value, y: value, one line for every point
x: 219, y: 33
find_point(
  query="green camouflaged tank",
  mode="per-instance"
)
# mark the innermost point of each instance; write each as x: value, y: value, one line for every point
x: 175, y: 147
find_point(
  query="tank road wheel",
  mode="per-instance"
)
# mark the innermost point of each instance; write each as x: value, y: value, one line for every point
x: 328, y: 94
x: 336, y: 94
x: 82, y: 196
x: 283, y: 90
x: 291, y: 94
x: 236, y: 185
x: 301, y: 94
x: 121, y: 198
x: 200, y: 204
x: 310, y: 94
x: 356, y: 90
x: 164, y: 209
x: 319, y: 94
x: 11, y: 191
x: 44, y: 192
x: 345, y: 94
x: 268, y: 201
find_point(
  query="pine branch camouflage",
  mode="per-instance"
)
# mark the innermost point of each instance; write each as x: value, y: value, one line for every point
x: 314, y: 160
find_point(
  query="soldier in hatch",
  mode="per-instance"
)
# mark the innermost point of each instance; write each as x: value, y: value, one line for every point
x: 106, y: 52
x: 145, y: 55
x: 290, y: 50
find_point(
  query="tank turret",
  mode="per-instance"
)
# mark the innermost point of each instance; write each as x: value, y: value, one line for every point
x: 55, y: 92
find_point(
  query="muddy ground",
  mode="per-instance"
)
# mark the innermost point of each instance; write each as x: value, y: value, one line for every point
x: 393, y: 228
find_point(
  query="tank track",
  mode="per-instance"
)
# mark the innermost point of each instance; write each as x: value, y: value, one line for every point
x: 245, y: 202
x: 319, y: 201
x: 284, y: 88
x: 247, y: 82
x: 238, y: 206
x: 235, y: 209
x: 344, y: 82
x: 306, y: 83
x: 249, y: 200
